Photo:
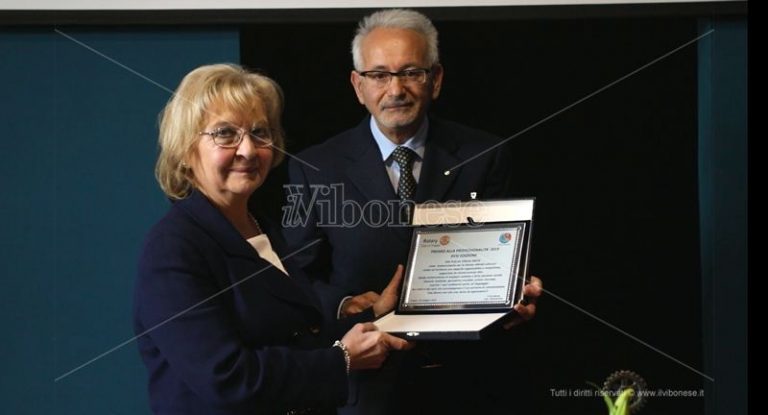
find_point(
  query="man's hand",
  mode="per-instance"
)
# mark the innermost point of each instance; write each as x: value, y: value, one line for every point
x: 526, y: 308
x: 358, y: 303
x: 381, y: 303
x: 388, y: 298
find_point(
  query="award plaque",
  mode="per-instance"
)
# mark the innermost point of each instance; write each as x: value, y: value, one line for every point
x: 462, y: 276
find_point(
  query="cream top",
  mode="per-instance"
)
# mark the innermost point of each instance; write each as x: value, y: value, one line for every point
x: 262, y: 246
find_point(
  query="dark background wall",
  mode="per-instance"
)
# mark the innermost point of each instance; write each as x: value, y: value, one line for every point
x: 615, y: 177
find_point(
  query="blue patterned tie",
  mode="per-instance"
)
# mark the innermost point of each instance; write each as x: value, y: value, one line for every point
x: 406, y: 187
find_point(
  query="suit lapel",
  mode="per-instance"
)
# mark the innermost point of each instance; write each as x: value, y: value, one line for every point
x: 440, y: 156
x: 208, y: 217
x: 369, y: 176
x: 366, y: 171
x: 224, y: 233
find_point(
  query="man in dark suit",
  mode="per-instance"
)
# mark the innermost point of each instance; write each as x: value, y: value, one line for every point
x: 354, y: 191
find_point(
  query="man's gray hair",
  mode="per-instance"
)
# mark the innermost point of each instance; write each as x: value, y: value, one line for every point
x: 398, y: 19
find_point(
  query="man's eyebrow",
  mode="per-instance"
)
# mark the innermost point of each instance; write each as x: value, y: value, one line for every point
x: 405, y: 67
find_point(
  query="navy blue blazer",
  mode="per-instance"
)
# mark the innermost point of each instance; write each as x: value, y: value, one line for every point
x: 361, y: 248
x: 221, y: 331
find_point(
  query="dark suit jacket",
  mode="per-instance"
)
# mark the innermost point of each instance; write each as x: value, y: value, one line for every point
x: 352, y: 209
x: 221, y: 331
x: 341, y: 195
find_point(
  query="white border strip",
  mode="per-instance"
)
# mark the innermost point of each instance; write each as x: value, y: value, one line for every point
x: 301, y: 4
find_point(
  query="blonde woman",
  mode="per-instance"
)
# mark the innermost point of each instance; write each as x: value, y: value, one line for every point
x: 226, y: 324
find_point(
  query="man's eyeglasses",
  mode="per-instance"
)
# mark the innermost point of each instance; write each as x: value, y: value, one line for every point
x: 408, y: 76
x: 229, y: 137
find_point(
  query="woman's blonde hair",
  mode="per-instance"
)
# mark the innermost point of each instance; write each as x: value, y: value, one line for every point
x: 221, y: 85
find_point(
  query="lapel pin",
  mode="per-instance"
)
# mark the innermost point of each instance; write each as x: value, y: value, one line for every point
x: 473, y: 195
x: 447, y: 172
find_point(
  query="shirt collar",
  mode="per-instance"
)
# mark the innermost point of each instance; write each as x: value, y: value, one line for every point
x: 415, y: 143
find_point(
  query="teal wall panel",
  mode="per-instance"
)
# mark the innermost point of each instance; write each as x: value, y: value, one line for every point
x: 723, y: 176
x: 78, y: 118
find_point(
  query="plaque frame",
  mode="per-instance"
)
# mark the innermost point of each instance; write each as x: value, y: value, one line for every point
x: 466, y: 321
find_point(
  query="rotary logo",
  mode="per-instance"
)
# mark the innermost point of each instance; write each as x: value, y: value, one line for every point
x: 444, y: 240
x: 505, y: 237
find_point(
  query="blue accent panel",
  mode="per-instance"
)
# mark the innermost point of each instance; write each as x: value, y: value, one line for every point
x: 723, y: 155
x: 77, y: 153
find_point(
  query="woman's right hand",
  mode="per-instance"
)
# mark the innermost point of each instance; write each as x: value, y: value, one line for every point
x: 368, y: 347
